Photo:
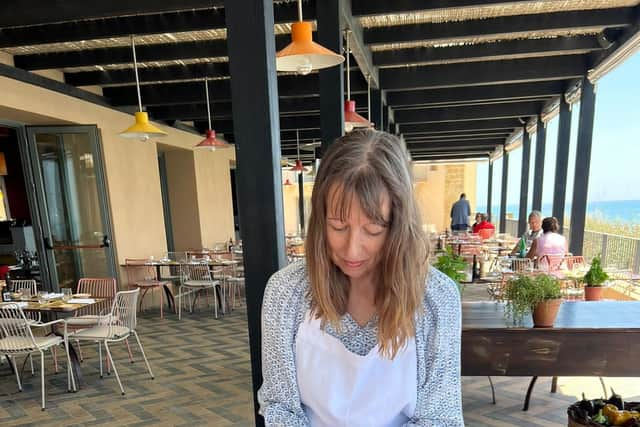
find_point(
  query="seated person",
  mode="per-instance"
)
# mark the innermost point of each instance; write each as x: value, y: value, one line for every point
x: 477, y: 221
x: 550, y: 242
x: 535, y: 223
x: 482, y: 223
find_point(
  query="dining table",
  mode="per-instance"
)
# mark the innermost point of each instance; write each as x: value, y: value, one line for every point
x: 589, y: 338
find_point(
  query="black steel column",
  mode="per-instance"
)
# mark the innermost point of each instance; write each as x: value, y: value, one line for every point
x: 331, y: 80
x: 503, y: 196
x: 583, y: 161
x: 489, y: 190
x: 562, y: 163
x: 524, y: 181
x: 254, y: 96
x: 385, y: 118
x: 376, y: 108
x: 538, y: 173
x: 301, y: 203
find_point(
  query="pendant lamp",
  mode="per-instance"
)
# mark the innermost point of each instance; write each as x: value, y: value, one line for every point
x: 303, y: 55
x: 298, y: 166
x: 211, y: 142
x: 141, y: 129
x: 352, y: 119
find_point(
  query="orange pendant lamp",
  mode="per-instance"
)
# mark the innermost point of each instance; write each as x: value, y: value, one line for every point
x: 352, y: 119
x: 141, y: 129
x: 298, y: 166
x: 211, y: 142
x: 303, y: 55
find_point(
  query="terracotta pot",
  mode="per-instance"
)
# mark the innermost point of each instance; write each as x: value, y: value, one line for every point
x: 593, y: 293
x: 545, y: 313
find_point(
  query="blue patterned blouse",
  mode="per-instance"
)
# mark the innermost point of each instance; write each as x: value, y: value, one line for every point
x: 437, y: 344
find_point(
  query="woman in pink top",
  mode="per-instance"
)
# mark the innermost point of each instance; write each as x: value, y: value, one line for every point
x: 550, y: 242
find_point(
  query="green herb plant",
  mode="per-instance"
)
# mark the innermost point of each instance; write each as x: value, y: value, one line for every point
x: 595, y: 276
x: 524, y: 292
x: 453, y: 266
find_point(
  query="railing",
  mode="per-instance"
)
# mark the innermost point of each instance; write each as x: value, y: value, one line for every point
x: 615, y: 251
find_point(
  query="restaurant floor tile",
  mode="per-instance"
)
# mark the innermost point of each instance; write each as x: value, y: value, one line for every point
x: 203, y: 377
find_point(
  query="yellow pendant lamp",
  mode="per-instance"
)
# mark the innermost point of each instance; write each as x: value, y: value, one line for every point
x: 210, y: 142
x: 352, y: 119
x: 303, y: 55
x: 141, y: 129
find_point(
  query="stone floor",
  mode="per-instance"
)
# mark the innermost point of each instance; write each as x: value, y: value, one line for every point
x: 202, y: 377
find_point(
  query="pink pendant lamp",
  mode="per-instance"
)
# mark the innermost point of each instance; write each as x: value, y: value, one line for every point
x: 210, y: 143
x: 298, y: 166
x: 352, y: 119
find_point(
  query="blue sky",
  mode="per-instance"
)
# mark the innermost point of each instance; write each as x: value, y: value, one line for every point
x: 615, y: 155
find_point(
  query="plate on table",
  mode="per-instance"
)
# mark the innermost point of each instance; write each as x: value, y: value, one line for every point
x: 81, y: 295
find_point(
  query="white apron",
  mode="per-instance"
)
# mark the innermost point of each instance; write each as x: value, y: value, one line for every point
x: 340, y: 388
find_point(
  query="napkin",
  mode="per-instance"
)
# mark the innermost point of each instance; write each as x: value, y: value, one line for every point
x: 81, y: 301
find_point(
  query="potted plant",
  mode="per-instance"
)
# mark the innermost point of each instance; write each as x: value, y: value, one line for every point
x: 539, y: 295
x: 593, y: 280
x: 453, y: 266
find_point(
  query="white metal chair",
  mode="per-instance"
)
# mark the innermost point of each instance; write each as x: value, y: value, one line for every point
x: 17, y: 339
x: 198, y: 277
x: 118, y: 326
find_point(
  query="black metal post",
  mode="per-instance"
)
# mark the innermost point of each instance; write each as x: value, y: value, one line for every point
x: 583, y: 162
x: 503, y: 196
x: 301, y: 203
x: 331, y: 80
x: 489, y: 190
x: 538, y: 173
x: 385, y: 118
x: 524, y: 181
x: 562, y: 163
x: 254, y: 90
x: 376, y: 108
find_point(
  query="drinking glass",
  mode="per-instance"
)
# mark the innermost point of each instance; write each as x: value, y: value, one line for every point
x: 66, y: 294
x: 42, y: 297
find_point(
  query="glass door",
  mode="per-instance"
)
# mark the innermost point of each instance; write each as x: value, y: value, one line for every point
x: 67, y: 170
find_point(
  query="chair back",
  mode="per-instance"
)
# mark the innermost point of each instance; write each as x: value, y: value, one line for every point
x: 550, y: 263
x: 27, y: 287
x: 197, y: 272
x: 139, y: 269
x: 14, y: 330
x: 575, y: 261
x: 104, y: 287
x: 520, y: 265
x: 123, y: 311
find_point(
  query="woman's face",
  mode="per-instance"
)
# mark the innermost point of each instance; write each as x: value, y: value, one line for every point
x: 355, y: 242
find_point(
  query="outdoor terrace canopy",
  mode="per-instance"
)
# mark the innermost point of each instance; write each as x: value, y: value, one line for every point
x: 458, y: 79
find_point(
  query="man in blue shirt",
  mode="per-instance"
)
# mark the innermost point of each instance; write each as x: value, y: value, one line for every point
x: 460, y: 212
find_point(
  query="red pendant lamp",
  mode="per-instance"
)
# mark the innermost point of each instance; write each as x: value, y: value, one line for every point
x: 352, y: 119
x: 211, y: 142
x: 298, y: 166
x: 303, y: 55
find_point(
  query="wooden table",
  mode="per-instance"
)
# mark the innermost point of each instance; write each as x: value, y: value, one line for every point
x: 600, y: 338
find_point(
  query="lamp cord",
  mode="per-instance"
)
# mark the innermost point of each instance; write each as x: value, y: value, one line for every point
x: 135, y: 69
x: 298, y: 143
x: 348, y: 70
x: 206, y: 90
x: 300, y: 10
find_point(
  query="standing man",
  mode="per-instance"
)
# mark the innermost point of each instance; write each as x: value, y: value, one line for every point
x: 460, y: 212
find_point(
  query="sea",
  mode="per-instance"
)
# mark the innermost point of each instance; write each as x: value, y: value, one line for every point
x: 614, y: 211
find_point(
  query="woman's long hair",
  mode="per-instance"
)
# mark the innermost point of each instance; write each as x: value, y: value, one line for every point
x: 367, y: 165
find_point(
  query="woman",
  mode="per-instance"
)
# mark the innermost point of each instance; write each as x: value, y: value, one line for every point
x: 549, y: 242
x: 363, y: 333
x: 482, y: 223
